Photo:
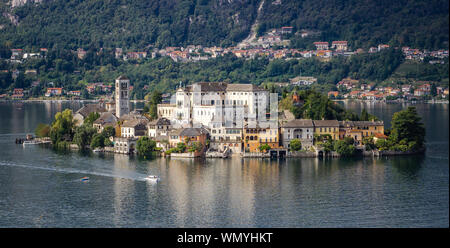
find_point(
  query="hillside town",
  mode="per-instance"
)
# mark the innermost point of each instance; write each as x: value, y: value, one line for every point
x: 216, y: 119
x: 271, y: 45
x: 353, y: 89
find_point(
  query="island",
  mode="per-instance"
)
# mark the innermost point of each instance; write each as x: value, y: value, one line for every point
x: 218, y: 119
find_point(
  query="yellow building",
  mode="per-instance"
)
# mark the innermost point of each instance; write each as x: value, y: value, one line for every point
x: 323, y: 127
x: 255, y: 137
x: 360, y: 129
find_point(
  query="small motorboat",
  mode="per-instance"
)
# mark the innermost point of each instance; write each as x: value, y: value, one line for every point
x: 83, y: 179
x: 152, y: 178
x: 98, y: 150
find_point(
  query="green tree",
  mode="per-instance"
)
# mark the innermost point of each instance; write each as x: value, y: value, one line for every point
x: 264, y: 148
x: 109, y: 131
x: 295, y: 145
x: 42, y: 130
x: 408, y: 128
x: 364, y: 115
x: 433, y: 90
x: 91, y: 118
x: 154, y: 99
x: 181, y: 147
x: 195, y: 147
x: 145, y: 146
x: 62, y: 126
x: 344, y: 149
x: 98, y: 140
x: 368, y: 143
x: 83, y: 136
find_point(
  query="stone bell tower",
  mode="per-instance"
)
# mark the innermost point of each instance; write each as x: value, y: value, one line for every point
x: 122, y: 96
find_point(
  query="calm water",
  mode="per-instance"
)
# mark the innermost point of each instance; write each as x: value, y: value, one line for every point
x: 41, y: 188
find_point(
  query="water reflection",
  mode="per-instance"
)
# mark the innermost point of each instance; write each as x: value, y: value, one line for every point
x: 123, y: 190
x: 409, y: 166
x: 307, y: 192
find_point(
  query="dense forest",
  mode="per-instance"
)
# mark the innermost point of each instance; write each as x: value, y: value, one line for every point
x: 128, y: 23
x: 139, y: 23
x: 364, y: 23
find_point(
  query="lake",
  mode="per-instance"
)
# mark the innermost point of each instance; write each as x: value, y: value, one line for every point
x: 40, y: 187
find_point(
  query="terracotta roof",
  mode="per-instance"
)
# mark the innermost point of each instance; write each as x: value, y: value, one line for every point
x: 326, y: 123
x: 298, y: 123
x: 90, y: 108
x: 222, y: 86
x: 380, y: 136
x: 244, y: 87
x: 207, y: 86
x: 160, y: 121
x: 193, y: 132
x: 368, y: 123
x: 135, y: 123
x: 106, y: 118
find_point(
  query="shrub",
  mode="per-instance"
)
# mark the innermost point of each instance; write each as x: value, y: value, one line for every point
x: 344, y: 149
x: 264, y: 147
x: 295, y: 145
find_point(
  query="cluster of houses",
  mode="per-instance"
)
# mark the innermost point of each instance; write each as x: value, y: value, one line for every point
x: 221, y: 117
x: 92, y: 88
x: 355, y: 90
x: 418, y: 55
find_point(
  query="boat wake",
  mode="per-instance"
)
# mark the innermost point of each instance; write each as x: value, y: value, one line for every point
x: 74, y: 171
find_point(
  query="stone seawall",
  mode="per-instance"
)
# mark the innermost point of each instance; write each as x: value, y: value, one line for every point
x: 301, y: 154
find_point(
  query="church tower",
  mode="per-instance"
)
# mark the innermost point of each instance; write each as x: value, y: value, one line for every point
x: 122, y: 96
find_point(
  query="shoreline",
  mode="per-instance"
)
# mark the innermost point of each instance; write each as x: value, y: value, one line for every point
x: 139, y: 101
x: 289, y: 154
x: 58, y: 100
x: 392, y: 101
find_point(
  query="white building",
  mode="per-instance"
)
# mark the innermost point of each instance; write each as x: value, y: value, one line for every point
x: 159, y: 127
x: 301, y: 129
x: 133, y: 128
x: 217, y: 104
x: 122, y: 96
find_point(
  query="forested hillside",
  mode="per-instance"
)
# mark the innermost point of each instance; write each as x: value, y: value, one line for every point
x: 139, y: 23
x: 128, y: 23
x: 365, y: 23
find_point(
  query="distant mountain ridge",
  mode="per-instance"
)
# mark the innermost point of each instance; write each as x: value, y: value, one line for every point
x: 138, y: 23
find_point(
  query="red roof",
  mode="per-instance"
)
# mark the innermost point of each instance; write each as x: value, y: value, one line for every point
x: 380, y: 136
x: 340, y: 42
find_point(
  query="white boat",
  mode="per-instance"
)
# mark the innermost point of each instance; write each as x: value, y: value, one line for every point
x: 98, y: 150
x: 30, y: 142
x: 152, y: 178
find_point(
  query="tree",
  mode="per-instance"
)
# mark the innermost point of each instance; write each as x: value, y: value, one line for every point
x: 42, y: 130
x: 295, y: 145
x: 155, y: 99
x: 195, y: 147
x: 145, y: 146
x: 368, y: 143
x: 62, y: 126
x: 364, y: 115
x: 98, y: 140
x: 408, y: 128
x: 343, y: 148
x: 181, y: 147
x: 433, y: 90
x: 91, y: 118
x: 83, y: 136
x: 109, y: 131
x: 264, y: 148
